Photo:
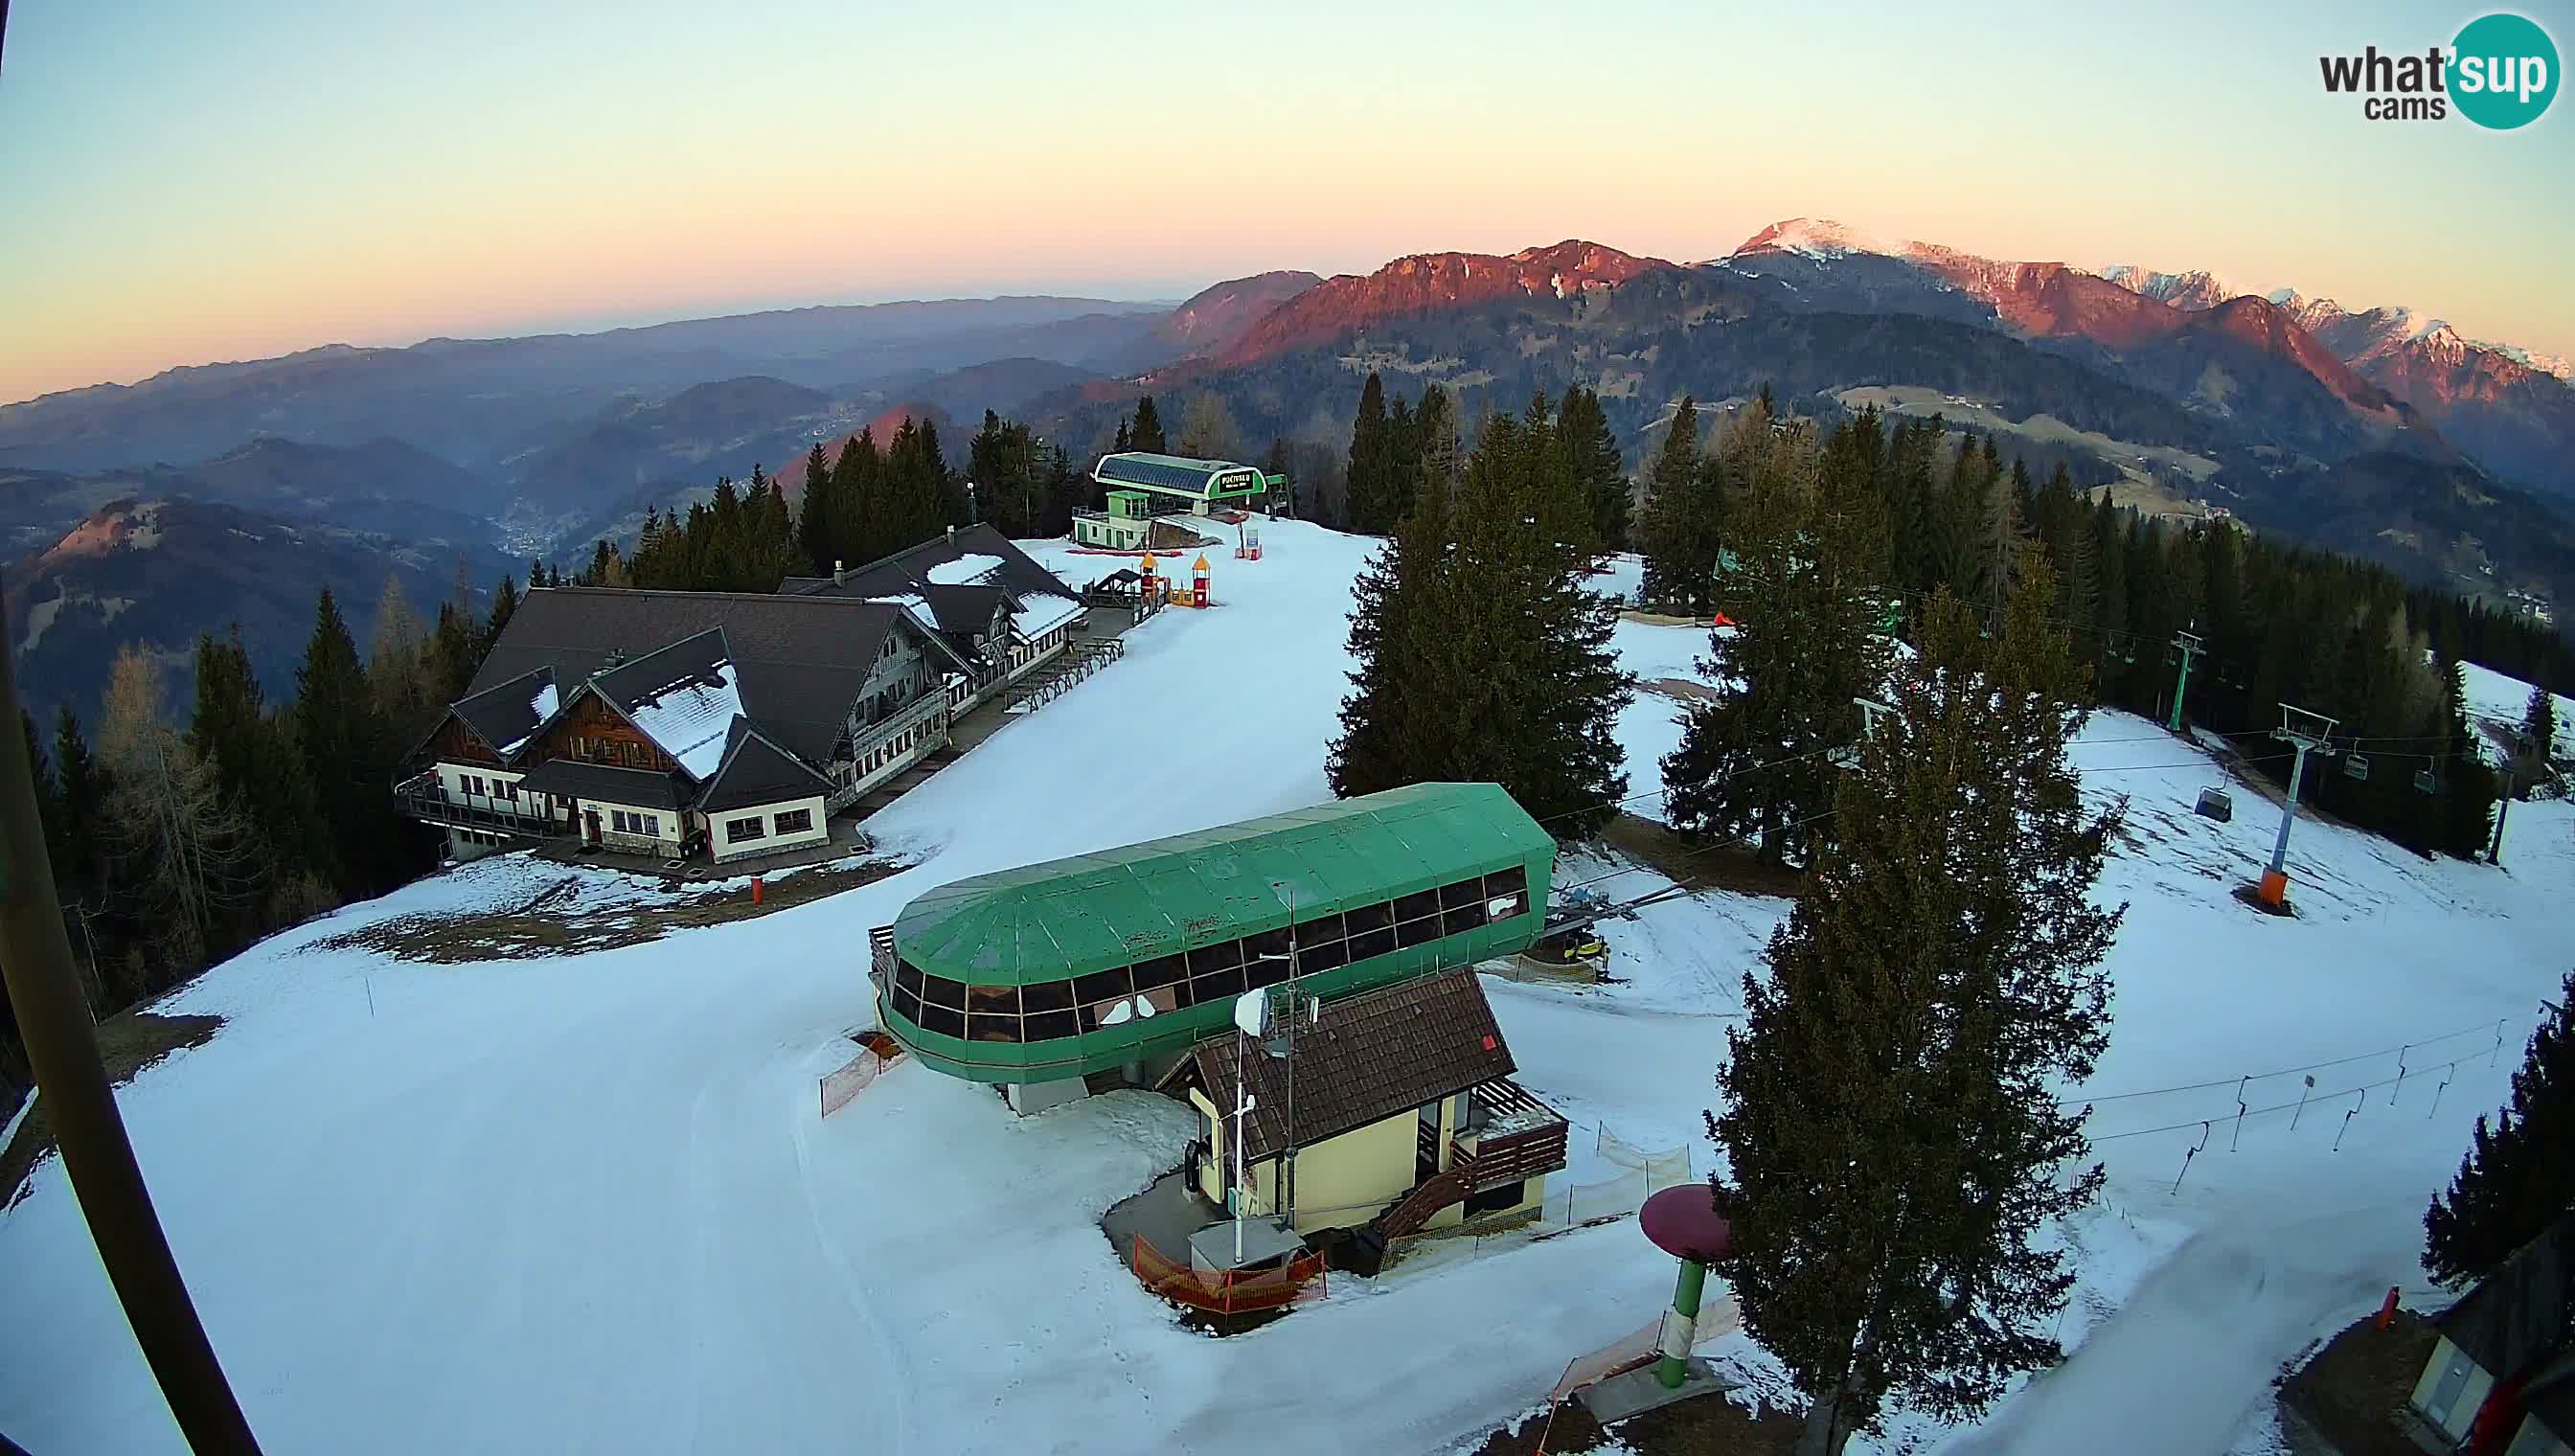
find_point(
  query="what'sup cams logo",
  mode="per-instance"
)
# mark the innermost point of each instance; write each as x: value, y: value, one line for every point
x: 2500, y: 72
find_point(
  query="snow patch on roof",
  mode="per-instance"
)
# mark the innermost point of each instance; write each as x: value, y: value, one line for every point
x: 916, y: 606
x: 691, y: 718
x: 1041, y: 613
x: 968, y: 568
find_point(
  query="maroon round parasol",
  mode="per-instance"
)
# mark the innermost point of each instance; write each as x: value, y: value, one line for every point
x: 1683, y: 1220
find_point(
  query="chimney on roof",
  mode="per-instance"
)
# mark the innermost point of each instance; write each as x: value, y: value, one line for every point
x: 840, y: 572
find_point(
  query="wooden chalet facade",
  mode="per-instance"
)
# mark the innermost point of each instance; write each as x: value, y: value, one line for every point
x: 1404, y: 1114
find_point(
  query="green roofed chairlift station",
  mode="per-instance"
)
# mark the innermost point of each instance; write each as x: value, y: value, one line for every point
x: 1109, y: 960
x: 1140, y: 486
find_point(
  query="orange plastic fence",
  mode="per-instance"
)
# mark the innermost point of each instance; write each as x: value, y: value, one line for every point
x: 1221, y: 1293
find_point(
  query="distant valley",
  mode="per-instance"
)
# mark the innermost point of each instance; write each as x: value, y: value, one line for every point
x: 2379, y: 432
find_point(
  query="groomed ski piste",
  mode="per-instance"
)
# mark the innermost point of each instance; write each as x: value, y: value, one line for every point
x: 587, y: 1203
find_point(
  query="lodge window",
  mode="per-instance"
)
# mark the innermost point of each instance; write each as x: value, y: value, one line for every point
x: 941, y: 1020
x: 1266, y: 942
x: 1419, y: 932
x: 1369, y: 917
x: 1216, y: 984
x: 1322, y: 929
x: 1265, y: 973
x: 991, y: 1000
x: 1464, y: 893
x: 740, y: 830
x: 1162, y: 971
x: 796, y: 822
x: 1330, y: 955
x: 1101, y: 986
x: 1417, y: 905
x: 1206, y: 959
x: 1373, y: 942
x: 939, y: 990
x: 1047, y: 1025
x: 993, y: 1026
x: 1052, y: 995
x: 1501, y: 882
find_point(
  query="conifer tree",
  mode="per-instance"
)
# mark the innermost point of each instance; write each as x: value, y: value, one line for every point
x: 1894, y: 1145
x: 2468, y: 787
x: 2516, y: 1179
x: 1801, y: 650
x: 1600, y: 471
x: 813, y: 514
x: 82, y: 785
x: 348, y: 755
x: 1677, y: 529
x: 1063, y: 491
x: 1370, y: 508
x: 233, y: 731
x: 2539, y: 733
x: 505, y: 605
x: 1147, y: 434
x: 1476, y: 613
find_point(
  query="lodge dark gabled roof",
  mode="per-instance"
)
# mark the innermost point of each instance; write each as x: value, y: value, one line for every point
x: 907, y: 572
x: 605, y: 783
x: 1366, y: 1059
x: 504, y: 715
x: 2518, y: 1313
x: 801, y: 660
x: 756, y: 771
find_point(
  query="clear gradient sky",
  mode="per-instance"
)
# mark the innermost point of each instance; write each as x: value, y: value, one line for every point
x: 188, y: 181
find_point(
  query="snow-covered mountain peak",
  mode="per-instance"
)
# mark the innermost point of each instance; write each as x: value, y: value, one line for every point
x: 1820, y: 238
x: 2195, y: 290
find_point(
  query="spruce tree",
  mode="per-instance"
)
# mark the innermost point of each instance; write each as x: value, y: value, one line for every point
x: 2538, y: 736
x: 1476, y: 612
x: 814, y: 514
x: 1894, y: 1145
x: 1147, y: 434
x: 2468, y: 787
x: 2517, y: 1178
x: 1673, y: 531
x: 1368, y: 509
x: 1600, y: 471
x: 505, y: 605
x: 348, y: 754
x: 82, y: 785
x: 1801, y: 650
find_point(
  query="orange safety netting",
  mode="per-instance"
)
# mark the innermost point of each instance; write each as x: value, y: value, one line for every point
x: 1229, y: 1292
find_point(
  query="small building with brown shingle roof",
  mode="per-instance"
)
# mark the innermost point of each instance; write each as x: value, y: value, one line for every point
x: 1395, y: 1106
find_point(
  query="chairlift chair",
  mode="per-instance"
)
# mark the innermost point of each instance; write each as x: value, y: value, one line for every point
x: 2424, y: 782
x: 2215, y: 803
x: 2355, y: 765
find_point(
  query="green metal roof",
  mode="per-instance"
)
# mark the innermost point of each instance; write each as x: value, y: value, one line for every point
x: 1178, y: 474
x: 1043, y: 923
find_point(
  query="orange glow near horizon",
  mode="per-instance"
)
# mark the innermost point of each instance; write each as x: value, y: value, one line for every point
x: 311, y: 178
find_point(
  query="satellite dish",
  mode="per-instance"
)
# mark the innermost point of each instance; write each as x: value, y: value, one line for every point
x: 1252, y: 1012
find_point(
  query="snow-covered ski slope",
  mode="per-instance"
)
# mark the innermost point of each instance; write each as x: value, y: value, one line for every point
x: 586, y: 1204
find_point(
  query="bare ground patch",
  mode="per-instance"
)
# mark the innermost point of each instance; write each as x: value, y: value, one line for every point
x: 547, y: 924
x: 2353, y: 1392
x: 128, y: 1042
x: 1731, y: 867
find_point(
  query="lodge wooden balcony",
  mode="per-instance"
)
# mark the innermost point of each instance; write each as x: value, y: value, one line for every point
x: 426, y: 799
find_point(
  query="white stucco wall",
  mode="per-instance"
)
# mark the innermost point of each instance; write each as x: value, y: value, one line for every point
x: 771, y: 838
